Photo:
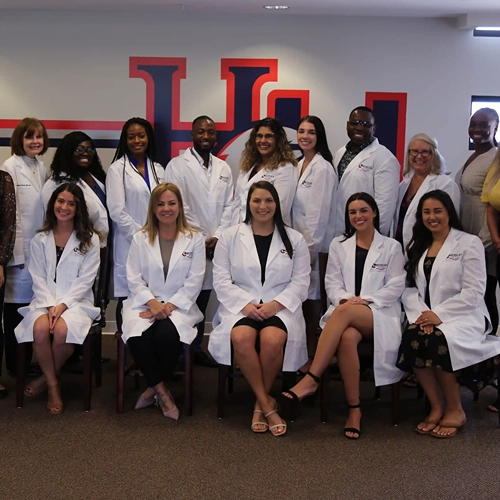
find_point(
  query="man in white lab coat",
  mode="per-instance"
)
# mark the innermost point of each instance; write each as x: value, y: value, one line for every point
x: 365, y: 165
x: 206, y: 184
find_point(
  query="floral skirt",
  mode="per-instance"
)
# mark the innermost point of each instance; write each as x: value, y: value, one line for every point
x: 419, y: 350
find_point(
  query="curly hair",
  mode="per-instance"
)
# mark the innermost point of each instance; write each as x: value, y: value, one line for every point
x: 282, y: 155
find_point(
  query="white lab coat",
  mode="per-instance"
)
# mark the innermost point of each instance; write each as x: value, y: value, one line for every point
x: 375, y: 171
x: 457, y: 285
x: 68, y: 282
x: 128, y: 200
x: 283, y: 178
x: 431, y: 182
x: 313, y: 212
x: 207, y: 196
x: 97, y: 211
x: 382, y: 284
x: 146, y: 281
x: 30, y: 214
x: 237, y: 282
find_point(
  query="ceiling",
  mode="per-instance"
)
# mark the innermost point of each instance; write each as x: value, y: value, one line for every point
x: 384, y: 8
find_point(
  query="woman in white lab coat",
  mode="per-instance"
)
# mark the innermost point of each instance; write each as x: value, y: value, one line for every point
x: 165, y: 270
x: 444, y: 305
x: 64, y: 265
x: 130, y: 180
x: 267, y: 157
x: 261, y: 277
x: 29, y: 174
x: 424, y: 171
x: 364, y: 282
x: 313, y: 213
x: 76, y: 160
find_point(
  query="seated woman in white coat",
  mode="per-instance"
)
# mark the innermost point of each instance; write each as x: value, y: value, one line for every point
x: 267, y: 157
x: 76, y: 160
x: 424, y: 171
x: 261, y: 277
x: 444, y: 304
x: 313, y: 213
x: 130, y: 180
x: 64, y: 265
x: 165, y: 270
x: 364, y: 282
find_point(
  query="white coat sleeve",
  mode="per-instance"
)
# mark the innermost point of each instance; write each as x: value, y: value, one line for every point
x: 48, y: 188
x: 139, y: 290
x: 187, y: 294
x: 385, y: 188
x: 454, y: 192
x: 160, y: 173
x: 285, y: 182
x: 395, y: 278
x: 231, y: 296
x: 227, y: 212
x: 86, y: 276
x: 42, y: 295
x: 318, y: 209
x: 413, y: 303
x: 115, y: 189
x: 472, y: 288
x: 334, y: 279
x: 295, y: 293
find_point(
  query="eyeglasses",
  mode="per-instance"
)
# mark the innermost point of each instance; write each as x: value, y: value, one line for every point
x: 355, y: 123
x: 79, y: 150
x: 425, y: 153
x: 267, y: 137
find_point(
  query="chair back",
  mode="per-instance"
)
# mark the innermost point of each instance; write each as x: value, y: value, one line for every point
x: 323, y: 261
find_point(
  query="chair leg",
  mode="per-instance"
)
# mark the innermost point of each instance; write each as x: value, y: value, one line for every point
x: 395, y: 403
x: 289, y: 379
x: 87, y: 371
x: 98, y: 359
x: 325, y: 380
x: 188, y: 379
x: 221, y: 390
x: 21, y: 369
x: 377, y: 393
x: 230, y: 379
x: 420, y: 392
x: 120, y: 373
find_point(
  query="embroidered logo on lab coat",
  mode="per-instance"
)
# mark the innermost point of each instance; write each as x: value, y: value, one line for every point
x: 188, y: 255
x: 224, y: 178
x: 365, y: 168
x: 307, y: 184
x: 78, y: 251
x: 268, y: 177
x: 380, y: 267
x: 454, y: 256
x: 283, y: 251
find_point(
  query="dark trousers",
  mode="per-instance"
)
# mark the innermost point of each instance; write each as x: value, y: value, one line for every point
x: 202, y: 303
x: 156, y: 351
x: 490, y: 298
x: 2, y: 293
x: 11, y: 318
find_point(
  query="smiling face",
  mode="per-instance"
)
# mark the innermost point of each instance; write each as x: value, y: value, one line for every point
x: 204, y: 136
x: 420, y: 156
x: 361, y: 215
x: 435, y: 217
x: 33, y: 144
x: 83, y: 155
x: 137, y: 140
x: 65, y: 207
x: 482, y: 127
x: 360, y: 127
x: 262, y: 205
x: 265, y: 142
x: 167, y: 209
x: 306, y: 136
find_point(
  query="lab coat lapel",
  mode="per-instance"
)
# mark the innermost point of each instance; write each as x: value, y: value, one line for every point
x: 155, y: 251
x: 350, y: 263
x: 276, y: 247
x: 308, y: 170
x: 446, y: 249
x: 361, y: 157
x: 246, y: 236
x: 180, y: 245
x: 72, y: 245
x: 373, y: 254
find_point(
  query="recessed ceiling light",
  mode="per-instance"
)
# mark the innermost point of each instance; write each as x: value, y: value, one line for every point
x: 486, y: 28
x: 276, y: 7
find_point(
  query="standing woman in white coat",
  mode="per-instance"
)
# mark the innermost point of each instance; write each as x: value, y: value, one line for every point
x: 313, y: 213
x: 267, y: 157
x: 76, y: 160
x: 424, y: 171
x: 364, y: 282
x: 64, y: 265
x: 29, y: 174
x: 448, y: 319
x: 261, y: 277
x: 165, y: 270
x: 130, y: 180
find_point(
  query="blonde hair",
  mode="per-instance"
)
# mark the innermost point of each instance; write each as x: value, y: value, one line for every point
x: 437, y: 164
x: 495, y: 174
x: 151, y: 226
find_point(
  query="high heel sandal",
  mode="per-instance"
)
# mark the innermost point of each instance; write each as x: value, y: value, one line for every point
x: 142, y: 402
x: 295, y: 399
x: 272, y: 427
x: 258, y: 422
x: 54, y: 403
x: 352, y: 429
x: 173, y: 413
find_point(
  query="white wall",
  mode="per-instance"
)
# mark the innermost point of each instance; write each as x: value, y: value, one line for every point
x: 75, y: 66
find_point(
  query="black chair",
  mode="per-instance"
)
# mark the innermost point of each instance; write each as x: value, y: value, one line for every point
x: 92, y: 346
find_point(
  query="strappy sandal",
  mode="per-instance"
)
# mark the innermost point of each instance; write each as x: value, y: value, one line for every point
x: 35, y: 388
x: 258, y: 422
x: 295, y: 400
x: 272, y: 427
x: 352, y: 429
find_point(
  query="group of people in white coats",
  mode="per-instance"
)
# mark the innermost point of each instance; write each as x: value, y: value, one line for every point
x: 178, y: 233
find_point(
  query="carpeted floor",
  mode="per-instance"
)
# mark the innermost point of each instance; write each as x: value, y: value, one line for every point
x: 142, y: 455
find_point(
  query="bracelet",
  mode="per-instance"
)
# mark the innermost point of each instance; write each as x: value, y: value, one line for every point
x: 275, y: 308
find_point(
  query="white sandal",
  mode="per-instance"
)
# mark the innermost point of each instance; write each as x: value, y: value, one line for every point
x: 259, y: 423
x: 271, y: 427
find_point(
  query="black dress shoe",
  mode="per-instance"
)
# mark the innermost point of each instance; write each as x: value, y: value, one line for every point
x: 202, y: 359
x: 4, y: 393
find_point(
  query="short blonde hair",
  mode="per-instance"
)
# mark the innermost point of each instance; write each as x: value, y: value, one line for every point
x: 437, y: 164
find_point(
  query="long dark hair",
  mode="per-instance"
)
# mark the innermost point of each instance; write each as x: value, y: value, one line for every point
x: 321, y: 141
x: 422, y: 238
x: 81, y: 222
x: 349, y: 229
x: 123, y: 149
x: 64, y: 168
x: 277, y: 219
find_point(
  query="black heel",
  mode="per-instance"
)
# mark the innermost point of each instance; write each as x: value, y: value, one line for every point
x: 295, y: 400
x: 352, y: 429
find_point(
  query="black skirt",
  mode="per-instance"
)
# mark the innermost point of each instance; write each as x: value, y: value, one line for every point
x: 260, y: 325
